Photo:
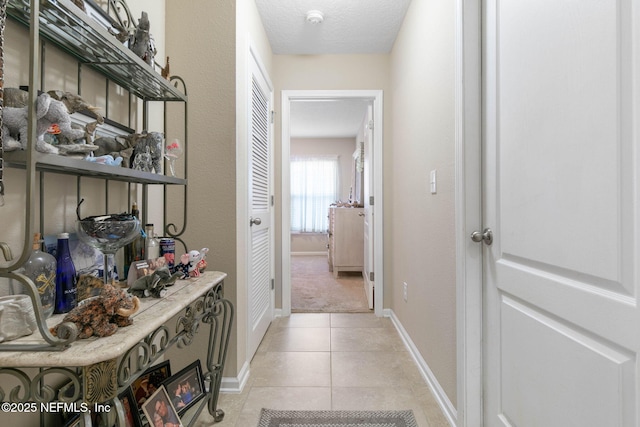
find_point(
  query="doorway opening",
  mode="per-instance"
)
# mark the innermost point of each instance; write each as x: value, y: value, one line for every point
x: 350, y: 190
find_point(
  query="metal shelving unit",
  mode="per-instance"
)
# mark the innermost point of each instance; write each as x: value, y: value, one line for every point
x: 63, y: 24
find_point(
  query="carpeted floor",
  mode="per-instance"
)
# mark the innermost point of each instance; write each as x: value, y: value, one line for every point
x: 273, y: 418
x: 314, y: 290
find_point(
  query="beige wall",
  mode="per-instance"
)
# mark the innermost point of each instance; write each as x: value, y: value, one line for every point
x: 210, y: 51
x: 202, y: 51
x: 420, y: 245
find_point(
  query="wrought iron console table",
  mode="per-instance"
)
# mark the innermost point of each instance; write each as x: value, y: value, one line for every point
x: 99, y: 369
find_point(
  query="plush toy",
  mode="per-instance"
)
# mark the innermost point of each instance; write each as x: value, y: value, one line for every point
x: 49, y: 112
x: 121, y: 146
x: 14, y: 97
x: 107, y: 159
x: 100, y: 316
x: 189, y: 263
x: 153, y: 285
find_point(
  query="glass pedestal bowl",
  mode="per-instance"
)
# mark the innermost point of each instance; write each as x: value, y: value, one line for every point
x: 107, y: 235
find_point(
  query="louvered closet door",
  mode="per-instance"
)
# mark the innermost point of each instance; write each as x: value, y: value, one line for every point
x: 261, y: 236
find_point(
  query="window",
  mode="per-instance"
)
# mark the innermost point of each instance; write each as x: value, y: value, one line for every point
x: 314, y: 186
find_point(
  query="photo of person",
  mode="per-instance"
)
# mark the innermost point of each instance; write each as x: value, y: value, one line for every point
x: 186, y: 387
x: 159, y: 410
x: 131, y: 417
x: 149, y: 382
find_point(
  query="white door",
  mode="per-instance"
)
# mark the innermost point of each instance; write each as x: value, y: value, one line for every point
x: 367, y: 191
x: 561, y: 196
x: 260, y: 263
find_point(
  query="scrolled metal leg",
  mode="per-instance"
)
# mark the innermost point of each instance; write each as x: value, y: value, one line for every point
x: 221, y: 319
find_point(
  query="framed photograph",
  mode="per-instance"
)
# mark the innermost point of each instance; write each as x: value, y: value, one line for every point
x: 186, y: 387
x: 159, y: 410
x: 131, y: 411
x: 150, y: 381
x: 74, y: 421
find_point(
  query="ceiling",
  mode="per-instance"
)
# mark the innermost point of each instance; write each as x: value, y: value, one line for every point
x: 348, y: 27
x: 327, y: 118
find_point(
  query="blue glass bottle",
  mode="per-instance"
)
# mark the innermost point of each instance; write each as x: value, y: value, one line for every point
x: 66, y: 280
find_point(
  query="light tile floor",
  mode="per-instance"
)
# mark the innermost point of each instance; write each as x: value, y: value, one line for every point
x: 340, y: 361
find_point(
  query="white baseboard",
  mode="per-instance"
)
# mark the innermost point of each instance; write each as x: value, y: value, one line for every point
x: 441, y: 397
x: 236, y: 384
x: 309, y: 253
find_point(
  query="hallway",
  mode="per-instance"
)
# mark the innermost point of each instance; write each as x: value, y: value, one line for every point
x: 340, y: 361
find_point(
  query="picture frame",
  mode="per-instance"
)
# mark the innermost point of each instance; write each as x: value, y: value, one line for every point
x: 73, y: 421
x: 160, y: 411
x: 130, y: 407
x: 150, y: 381
x: 186, y: 387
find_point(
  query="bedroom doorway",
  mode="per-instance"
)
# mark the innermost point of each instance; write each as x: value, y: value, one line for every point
x: 316, y: 261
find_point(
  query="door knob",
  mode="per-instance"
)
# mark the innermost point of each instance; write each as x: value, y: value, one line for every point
x: 256, y: 221
x: 485, y: 236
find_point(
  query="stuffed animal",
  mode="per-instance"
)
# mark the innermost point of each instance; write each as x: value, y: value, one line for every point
x: 153, y: 285
x: 102, y: 315
x: 49, y: 112
x: 75, y: 103
x: 107, y: 159
x: 14, y: 97
x: 121, y: 145
x: 189, y: 263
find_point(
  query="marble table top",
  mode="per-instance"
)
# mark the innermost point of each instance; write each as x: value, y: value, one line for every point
x: 153, y: 313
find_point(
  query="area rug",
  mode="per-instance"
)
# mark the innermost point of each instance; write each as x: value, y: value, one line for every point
x: 315, y: 290
x: 274, y: 418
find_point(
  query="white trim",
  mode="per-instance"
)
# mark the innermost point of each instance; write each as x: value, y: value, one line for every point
x: 236, y: 384
x: 309, y: 253
x: 377, y: 97
x: 441, y: 397
x: 468, y: 208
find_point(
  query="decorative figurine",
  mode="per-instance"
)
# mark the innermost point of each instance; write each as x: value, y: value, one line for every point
x: 141, y: 42
x: 149, y: 148
x: 153, y: 285
x: 172, y: 152
x: 189, y: 262
x: 101, y: 316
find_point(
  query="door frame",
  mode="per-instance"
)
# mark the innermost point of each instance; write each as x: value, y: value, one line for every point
x: 468, y: 211
x: 378, y: 130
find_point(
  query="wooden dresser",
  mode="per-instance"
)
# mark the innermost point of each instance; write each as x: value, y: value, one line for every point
x: 346, y: 239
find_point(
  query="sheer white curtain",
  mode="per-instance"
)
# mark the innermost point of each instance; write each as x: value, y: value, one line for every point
x: 314, y: 186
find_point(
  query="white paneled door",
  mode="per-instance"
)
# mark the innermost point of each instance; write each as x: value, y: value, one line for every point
x: 260, y: 262
x: 561, y: 198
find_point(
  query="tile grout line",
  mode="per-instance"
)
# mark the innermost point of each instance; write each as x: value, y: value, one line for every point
x: 331, y: 361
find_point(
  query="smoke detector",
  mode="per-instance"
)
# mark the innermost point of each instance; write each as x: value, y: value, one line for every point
x: 315, y: 17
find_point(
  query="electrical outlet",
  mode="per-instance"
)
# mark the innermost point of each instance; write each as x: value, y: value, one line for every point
x: 404, y: 291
